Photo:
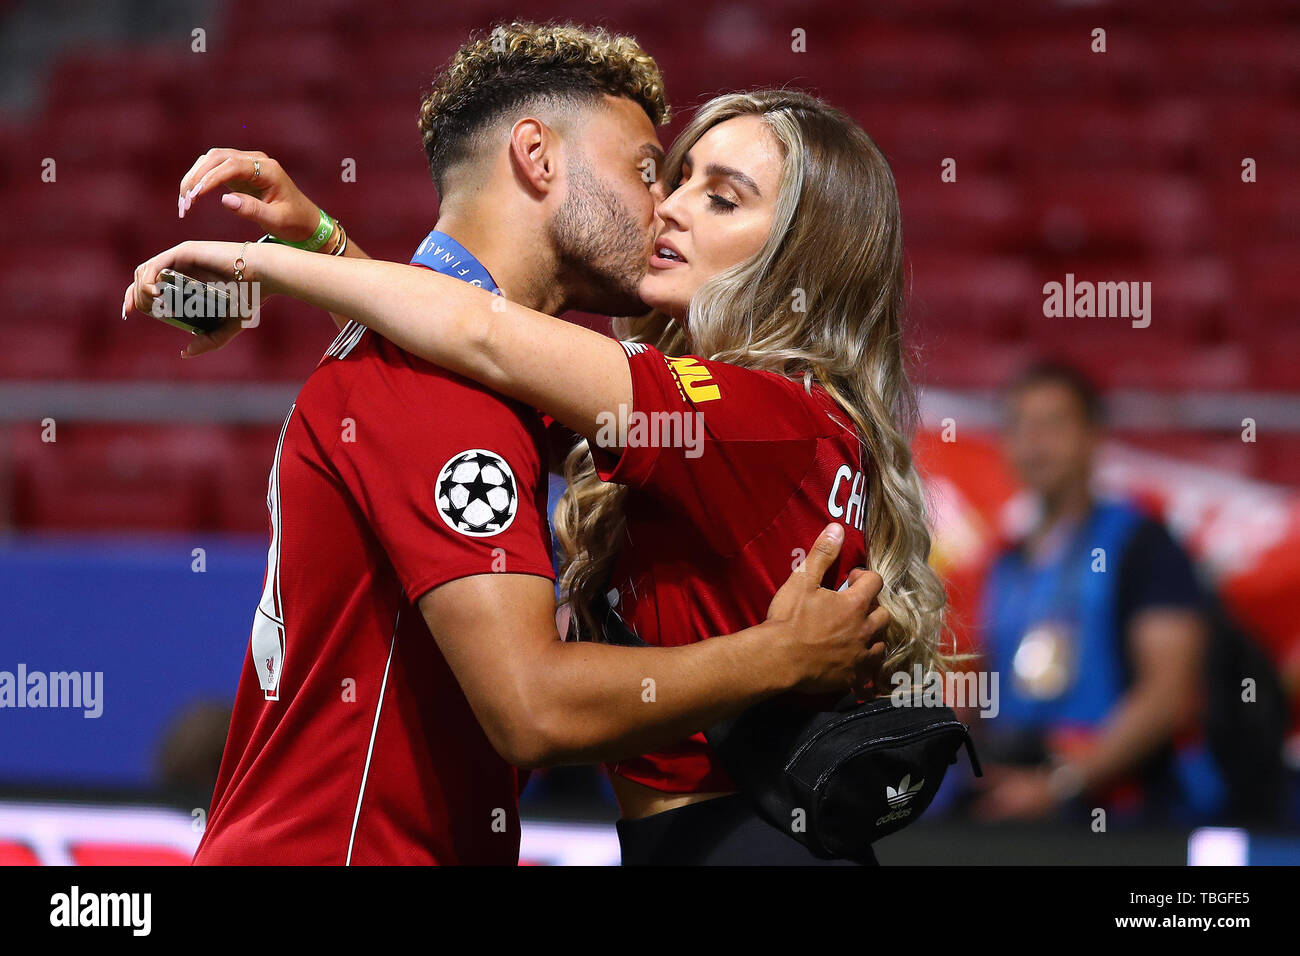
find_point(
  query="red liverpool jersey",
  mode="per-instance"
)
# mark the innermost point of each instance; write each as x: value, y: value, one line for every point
x: 351, y: 741
x: 734, y: 473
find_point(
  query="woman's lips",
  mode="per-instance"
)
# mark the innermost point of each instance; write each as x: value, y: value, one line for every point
x: 661, y: 262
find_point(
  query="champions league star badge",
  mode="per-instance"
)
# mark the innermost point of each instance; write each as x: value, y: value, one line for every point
x: 476, y: 493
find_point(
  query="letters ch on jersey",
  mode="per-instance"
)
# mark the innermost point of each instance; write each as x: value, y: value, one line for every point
x: 847, y: 500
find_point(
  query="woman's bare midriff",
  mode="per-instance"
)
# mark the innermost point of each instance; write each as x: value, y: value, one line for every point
x: 636, y: 800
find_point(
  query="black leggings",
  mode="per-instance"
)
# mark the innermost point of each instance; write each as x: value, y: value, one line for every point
x: 723, y: 831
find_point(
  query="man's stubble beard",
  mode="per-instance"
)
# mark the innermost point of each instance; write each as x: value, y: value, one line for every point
x: 601, y: 252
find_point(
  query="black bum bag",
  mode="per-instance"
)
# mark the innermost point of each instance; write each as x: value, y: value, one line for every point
x: 839, y: 780
x: 836, y: 780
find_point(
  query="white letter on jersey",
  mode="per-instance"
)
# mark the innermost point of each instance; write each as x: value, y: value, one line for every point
x: 844, y: 474
x: 853, y: 512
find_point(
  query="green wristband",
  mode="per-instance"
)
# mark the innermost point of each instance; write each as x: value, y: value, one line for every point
x: 318, y: 238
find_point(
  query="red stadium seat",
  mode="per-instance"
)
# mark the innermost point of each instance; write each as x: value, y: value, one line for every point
x: 313, y: 66
x: 381, y: 137
x: 1267, y: 285
x: 943, y: 359
x: 73, y: 287
x: 130, y: 130
x: 922, y: 134
x: 117, y: 73
x: 1061, y: 62
x: 991, y: 296
x: 1247, y: 61
x: 975, y: 213
x: 85, y: 204
x: 885, y: 61
x: 146, y: 349
x: 1275, y: 367
x: 240, y: 499
x: 1279, y: 454
x: 35, y: 351
x: 1094, y: 214
x: 103, y: 478
x: 395, y: 67
x: 384, y: 205
x: 1264, y: 212
x: 1225, y: 367
x: 298, y: 133
x: 293, y: 15
x: 1088, y: 133
x: 1268, y: 130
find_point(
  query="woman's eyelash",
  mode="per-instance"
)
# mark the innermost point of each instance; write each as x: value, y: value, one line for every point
x: 720, y: 204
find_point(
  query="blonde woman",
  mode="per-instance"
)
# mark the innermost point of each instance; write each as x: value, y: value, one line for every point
x: 765, y: 395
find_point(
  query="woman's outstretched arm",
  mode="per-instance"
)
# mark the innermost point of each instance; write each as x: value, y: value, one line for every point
x: 571, y: 373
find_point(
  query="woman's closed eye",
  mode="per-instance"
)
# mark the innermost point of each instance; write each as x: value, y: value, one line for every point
x: 720, y: 204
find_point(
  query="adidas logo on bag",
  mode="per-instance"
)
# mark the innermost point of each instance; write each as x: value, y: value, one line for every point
x: 898, y: 799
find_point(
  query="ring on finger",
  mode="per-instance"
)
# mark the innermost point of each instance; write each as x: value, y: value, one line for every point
x: 257, y: 168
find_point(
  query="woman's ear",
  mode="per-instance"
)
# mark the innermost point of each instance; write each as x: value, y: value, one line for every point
x: 535, y: 153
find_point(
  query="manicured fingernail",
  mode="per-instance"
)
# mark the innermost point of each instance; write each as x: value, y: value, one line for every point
x: 180, y: 207
x: 231, y: 201
x: 835, y: 532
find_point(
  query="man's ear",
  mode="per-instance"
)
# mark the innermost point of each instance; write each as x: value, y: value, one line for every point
x: 535, y: 153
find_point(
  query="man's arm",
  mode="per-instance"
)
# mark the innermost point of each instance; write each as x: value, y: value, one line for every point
x: 543, y: 701
x: 1168, y: 651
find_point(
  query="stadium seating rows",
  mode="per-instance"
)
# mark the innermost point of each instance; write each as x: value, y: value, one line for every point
x: 1126, y: 168
x: 213, y: 477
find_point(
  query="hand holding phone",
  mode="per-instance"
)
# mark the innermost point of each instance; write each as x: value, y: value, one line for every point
x: 187, y: 303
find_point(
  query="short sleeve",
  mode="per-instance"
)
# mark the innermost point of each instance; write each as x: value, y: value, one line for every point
x: 449, y: 476
x: 726, y: 446
x: 1156, y: 573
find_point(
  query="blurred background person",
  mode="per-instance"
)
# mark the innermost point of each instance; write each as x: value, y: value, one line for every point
x: 1102, y: 638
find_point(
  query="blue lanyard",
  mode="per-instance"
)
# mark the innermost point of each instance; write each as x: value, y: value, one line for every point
x: 441, y: 253
x: 1054, y: 590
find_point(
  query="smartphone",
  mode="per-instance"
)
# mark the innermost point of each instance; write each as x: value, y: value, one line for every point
x: 192, y: 305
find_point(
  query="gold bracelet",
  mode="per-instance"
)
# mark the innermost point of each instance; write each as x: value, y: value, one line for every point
x: 342, y: 247
x: 240, y: 264
x: 338, y: 239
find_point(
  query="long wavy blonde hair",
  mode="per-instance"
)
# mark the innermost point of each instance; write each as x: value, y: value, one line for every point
x: 822, y: 299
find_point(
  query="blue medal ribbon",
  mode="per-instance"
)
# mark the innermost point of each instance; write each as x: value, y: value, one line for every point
x: 441, y: 253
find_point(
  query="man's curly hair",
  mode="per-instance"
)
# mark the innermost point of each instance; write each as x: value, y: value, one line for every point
x: 519, y: 63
